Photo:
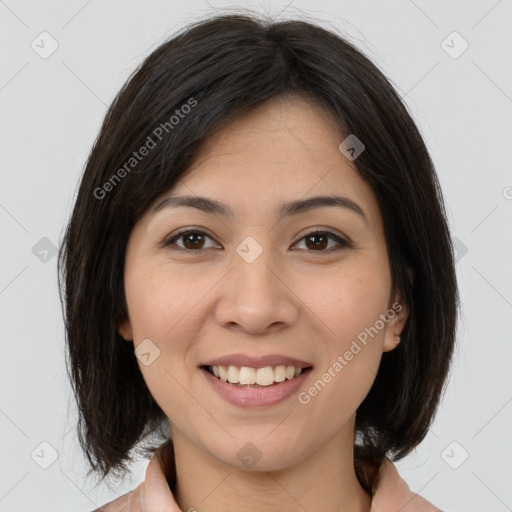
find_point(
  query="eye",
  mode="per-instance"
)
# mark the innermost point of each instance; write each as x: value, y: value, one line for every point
x: 193, y: 239
x: 317, y: 241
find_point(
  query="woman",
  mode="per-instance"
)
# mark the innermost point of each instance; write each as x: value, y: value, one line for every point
x: 259, y: 256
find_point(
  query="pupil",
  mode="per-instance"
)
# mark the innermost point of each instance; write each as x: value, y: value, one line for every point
x: 320, y: 245
x: 190, y: 237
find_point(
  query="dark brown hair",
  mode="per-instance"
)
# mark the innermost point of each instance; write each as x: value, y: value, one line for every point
x: 221, y: 68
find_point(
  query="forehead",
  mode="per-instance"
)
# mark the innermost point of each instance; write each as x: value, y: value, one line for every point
x: 287, y: 132
x: 283, y: 150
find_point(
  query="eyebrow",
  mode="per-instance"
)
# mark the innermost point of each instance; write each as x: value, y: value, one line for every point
x: 291, y: 208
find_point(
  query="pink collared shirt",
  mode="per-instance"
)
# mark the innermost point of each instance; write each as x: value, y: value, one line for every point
x: 154, y: 495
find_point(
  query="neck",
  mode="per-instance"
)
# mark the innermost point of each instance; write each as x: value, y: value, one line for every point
x: 324, y: 480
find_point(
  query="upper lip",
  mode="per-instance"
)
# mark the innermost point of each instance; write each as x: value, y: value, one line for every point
x: 272, y: 360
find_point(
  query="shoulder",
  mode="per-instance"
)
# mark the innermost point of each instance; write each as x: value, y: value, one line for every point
x: 129, y: 502
x: 153, y: 494
x: 392, y: 493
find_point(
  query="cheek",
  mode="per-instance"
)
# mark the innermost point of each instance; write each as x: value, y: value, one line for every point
x: 158, y: 301
x: 348, y: 300
x: 161, y: 306
x: 348, y: 307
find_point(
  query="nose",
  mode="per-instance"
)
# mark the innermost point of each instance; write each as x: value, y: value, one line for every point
x: 257, y: 297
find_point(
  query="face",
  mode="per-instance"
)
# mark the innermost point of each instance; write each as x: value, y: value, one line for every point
x: 256, y: 281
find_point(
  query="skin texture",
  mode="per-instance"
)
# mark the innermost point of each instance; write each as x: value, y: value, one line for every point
x: 294, y: 299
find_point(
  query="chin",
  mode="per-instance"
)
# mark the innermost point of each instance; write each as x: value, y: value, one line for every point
x: 247, y: 453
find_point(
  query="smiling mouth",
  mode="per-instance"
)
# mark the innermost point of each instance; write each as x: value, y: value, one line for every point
x: 255, y: 377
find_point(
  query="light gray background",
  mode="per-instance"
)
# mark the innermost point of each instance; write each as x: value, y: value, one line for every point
x: 51, y: 110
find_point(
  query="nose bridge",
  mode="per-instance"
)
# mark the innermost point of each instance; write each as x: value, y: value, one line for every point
x: 253, y: 276
x: 256, y: 297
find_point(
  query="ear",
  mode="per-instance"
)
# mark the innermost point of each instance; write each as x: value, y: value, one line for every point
x: 124, y: 328
x: 397, y: 313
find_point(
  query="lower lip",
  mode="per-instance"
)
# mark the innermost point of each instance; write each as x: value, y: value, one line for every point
x: 256, y: 397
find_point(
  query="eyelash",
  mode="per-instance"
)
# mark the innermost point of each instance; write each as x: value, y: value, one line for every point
x: 171, y: 241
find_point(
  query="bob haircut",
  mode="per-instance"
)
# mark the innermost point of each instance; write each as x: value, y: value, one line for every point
x: 192, y: 85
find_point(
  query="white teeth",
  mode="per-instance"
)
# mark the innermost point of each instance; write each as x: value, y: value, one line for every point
x: 247, y: 375
x: 280, y: 373
x: 262, y: 376
x: 223, y: 372
x: 233, y: 373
